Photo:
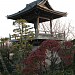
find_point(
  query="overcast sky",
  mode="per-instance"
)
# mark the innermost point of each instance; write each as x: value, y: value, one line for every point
x: 8, y: 7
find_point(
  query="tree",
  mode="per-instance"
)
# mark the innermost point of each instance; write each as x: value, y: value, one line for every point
x: 59, y: 29
x: 36, y: 63
x: 22, y: 48
x: 3, y: 40
x: 5, y: 63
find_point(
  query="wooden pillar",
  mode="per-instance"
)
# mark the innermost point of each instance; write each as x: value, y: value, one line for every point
x: 51, y: 27
x: 36, y: 26
x: 64, y: 36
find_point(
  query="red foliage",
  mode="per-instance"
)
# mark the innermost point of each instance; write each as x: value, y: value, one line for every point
x: 68, y: 44
x: 68, y: 59
x: 49, y: 44
x: 38, y: 56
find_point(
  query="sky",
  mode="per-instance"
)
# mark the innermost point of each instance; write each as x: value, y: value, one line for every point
x: 8, y: 7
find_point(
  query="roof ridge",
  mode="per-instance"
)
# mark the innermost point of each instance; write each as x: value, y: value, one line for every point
x: 43, y: 1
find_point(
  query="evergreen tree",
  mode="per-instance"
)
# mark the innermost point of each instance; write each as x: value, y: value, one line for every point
x: 22, y: 48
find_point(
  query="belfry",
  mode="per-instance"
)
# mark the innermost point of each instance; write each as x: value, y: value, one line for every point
x: 37, y: 12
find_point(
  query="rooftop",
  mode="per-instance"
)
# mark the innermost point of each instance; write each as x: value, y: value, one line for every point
x: 37, y: 8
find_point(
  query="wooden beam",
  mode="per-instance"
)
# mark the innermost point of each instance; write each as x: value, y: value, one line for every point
x: 44, y: 18
x: 51, y: 27
x: 36, y: 26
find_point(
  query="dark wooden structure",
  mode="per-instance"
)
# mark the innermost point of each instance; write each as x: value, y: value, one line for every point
x: 37, y: 12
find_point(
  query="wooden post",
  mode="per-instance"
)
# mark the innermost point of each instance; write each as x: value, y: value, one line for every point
x: 36, y: 24
x: 51, y: 27
x: 64, y: 36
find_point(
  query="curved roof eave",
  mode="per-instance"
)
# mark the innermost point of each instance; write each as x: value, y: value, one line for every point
x: 52, y: 11
x: 38, y: 4
x: 25, y: 10
x: 29, y: 7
